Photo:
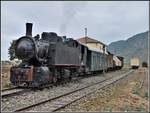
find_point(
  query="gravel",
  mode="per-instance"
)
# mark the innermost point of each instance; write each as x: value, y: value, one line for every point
x: 32, y: 97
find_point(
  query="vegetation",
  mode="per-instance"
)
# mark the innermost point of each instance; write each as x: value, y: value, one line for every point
x: 144, y: 64
x: 11, y: 50
x: 131, y: 108
x: 146, y: 94
x: 8, y: 85
x: 140, y: 108
x: 127, y: 108
x: 108, y: 109
x: 135, y: 90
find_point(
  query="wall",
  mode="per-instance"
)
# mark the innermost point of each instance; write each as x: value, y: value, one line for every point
x: 96, y: 45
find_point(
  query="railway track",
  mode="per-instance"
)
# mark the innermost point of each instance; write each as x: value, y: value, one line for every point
x: 6, y: 89
x: 59, y: 102
x: 12, y: 91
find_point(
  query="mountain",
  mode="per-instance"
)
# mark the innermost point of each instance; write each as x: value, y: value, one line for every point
x: 135, y: 46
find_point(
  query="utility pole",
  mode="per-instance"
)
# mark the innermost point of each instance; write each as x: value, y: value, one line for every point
x: 104, y: 59
x: 86, y: 35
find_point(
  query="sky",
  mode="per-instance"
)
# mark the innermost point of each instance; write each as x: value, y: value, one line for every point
x: 107, y: 21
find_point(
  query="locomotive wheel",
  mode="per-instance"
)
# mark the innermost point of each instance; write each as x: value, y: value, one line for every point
x: 70, y: 78
x: 55, y: 79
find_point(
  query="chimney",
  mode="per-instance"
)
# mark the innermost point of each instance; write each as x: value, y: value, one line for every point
x: 29, y: 29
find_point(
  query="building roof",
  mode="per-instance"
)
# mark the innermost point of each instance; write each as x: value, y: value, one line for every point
x: 109, y: 53
x: 89, y: 40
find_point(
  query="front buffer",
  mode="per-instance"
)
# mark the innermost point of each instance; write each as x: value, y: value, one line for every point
x: 30, y: 76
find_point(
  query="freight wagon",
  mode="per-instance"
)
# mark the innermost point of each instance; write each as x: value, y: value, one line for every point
x: 117, y: 62
x: 135, y: 63
x: 110, y: 61
x: 96, y: 61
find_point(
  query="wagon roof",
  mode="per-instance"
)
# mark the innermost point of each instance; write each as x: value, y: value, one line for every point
x: 109, y: 53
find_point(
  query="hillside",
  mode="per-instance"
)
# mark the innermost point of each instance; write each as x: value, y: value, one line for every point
x: 136, y: 45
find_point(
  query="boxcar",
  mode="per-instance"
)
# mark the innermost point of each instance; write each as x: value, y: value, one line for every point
x: 109, y: 61
x: 96, y: 61
x: 122, y: 61
x: 134, y: 62
x: 117, y: 62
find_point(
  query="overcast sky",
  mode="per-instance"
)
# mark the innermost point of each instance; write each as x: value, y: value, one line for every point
x: 106, y: 21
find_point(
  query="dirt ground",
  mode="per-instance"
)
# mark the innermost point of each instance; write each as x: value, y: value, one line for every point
x: 129, y: 94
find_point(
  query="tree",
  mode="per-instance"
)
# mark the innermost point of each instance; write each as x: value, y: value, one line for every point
x: 11, y: 50
x: 144, y: 64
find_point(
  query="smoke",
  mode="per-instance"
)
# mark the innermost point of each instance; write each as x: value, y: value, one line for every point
x: 70, y: 9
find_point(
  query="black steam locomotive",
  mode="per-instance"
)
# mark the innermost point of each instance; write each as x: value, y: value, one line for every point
x: 52, y: 58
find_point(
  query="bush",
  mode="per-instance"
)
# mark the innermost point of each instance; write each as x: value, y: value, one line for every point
x: 8, y: 85
x: 140, y: 108
x: 146, y: 94
x: 144, y: 64
x: 127, y: 108
x: 108, y: 108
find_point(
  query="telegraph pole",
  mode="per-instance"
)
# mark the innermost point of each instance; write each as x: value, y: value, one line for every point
x: 86, y: 35
x: 104, y: 59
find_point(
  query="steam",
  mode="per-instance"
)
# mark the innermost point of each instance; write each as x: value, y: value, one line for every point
x: 70, y: 9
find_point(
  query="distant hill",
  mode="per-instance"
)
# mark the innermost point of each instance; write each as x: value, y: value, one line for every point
x: 136, y: 45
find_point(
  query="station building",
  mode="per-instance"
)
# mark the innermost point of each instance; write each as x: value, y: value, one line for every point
x: 92, y: 43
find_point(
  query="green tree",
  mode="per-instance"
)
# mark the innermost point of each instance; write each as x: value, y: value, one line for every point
x: 144, y: 64
x: 11, y: 50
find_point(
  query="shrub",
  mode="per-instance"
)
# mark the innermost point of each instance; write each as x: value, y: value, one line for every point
x: 140, y: 108
x: 144, y: 64
x: 146, y: 94
x: 108, y: 109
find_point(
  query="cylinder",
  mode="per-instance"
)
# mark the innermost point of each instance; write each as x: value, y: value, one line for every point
x: 29, y: 29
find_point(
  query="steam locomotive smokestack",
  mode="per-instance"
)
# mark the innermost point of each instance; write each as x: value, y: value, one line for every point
x: 29, y: 29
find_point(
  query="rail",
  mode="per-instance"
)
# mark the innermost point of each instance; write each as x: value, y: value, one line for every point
x: 63, y: 100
